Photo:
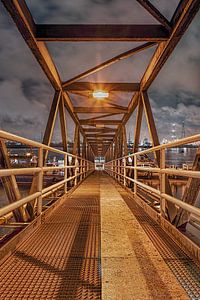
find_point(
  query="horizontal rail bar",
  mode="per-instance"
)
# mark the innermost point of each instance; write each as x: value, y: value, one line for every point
x: 185, y: 173
x: 58, y: 168
x: 10, y: 207
x: 19, y: 171
x: 47, y: 189
x: 9, y: 136
x: 184, y: 141
x: 189, y: 208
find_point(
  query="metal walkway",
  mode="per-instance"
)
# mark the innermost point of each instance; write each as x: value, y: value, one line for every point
x: 93, y: 247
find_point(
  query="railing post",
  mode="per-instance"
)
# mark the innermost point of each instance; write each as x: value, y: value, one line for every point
x: 83, y: 168
x: 162, y: 182
x: 111, y: 173
x: 119, y: 170
x: 124, y: 171
x: 40, y: 181
x: 76, y: 164
x: 65, y: 172
x: 135, y: 174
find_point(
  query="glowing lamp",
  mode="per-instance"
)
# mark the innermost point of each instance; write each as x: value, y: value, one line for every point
x: 100, y: 94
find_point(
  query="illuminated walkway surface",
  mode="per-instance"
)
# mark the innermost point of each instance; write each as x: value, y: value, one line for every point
x: 95, y: 246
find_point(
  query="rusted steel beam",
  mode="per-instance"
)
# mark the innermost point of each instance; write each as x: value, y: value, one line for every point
x: 181, y: 20
x: 190, y: 195
x: 100, y: 109
x: 96, y: 32
x: 171, y: 208
x: 103, y: 116
x: 155, y: 13
x: 26, y: 25
x: 138, y: 125
x: 51, y: 119
x: 100, y: 135
x: 89, y: 87
x: 109, y: 62
x: 63, y: 123
x: 10, y: 184
x: 100, y: 130
x: 100, y: 122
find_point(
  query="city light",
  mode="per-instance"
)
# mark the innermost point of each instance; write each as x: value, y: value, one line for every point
x: 100, y: 94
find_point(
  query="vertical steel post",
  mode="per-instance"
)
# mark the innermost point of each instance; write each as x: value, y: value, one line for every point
x: 76, y: 166
x: 162, y: 183
x: 81, y: 169
x: 65, y: 172
x: 135, y: 174
x: 40, y: 181
x: 124, y: 171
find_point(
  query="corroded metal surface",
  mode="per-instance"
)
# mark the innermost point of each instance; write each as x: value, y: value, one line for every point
x: 61, y: 260
x: 185, y: 269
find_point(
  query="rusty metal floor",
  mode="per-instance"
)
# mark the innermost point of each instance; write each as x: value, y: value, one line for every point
x: 62, y: 259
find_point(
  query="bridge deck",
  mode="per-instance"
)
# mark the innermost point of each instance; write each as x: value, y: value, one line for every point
x: 92, y: 247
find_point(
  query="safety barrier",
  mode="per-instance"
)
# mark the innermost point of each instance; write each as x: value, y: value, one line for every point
x: 118, y: 168
x: 79, y: 168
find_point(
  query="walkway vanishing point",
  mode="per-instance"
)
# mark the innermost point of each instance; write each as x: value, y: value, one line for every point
x: 98, y: 244
x: 79, y: 233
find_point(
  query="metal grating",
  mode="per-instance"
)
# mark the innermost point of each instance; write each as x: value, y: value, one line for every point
x: 183, y: 267
x: 61, y: 260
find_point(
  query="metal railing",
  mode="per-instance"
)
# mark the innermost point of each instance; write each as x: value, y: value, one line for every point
x: 118, y: 168
x: 74, y: 173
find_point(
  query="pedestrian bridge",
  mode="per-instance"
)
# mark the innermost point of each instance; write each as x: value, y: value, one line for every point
x: 94, y: 234
x: 131, y: 231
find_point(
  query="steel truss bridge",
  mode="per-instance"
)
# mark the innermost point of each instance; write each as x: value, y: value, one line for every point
x: 91, y: 234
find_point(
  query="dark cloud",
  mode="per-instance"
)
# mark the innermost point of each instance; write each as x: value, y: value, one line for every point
x: 25, y: 91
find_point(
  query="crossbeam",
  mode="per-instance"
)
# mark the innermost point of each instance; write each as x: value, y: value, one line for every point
x: 182, y: 18
x: 100, y: 122
x: 100, y: 130
x: 100, y: 135
x: 100, y: 109
x: 77, y: 33
x: 88, y: 87
x: 109, y: 62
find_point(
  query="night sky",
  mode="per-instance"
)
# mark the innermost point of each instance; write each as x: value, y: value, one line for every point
x: 26, y: 94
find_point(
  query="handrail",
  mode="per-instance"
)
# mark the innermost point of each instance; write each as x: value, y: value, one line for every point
x: 12, y: 137
x: 180, y: 142
x: 80, y: 169
x: 119, y: 166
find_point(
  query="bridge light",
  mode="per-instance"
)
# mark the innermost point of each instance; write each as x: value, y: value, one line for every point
x: 100, y: 94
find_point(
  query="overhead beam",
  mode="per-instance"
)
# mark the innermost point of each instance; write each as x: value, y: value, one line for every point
x: 155, y: 13
x: 88, y: 87
x: 109, y: 62
x: 102, y: 116
x: 182, y: 18
x: 100, y: 135
x: 27, y: 27
x: 102, y: 32
x: 100, y: 109
x: 100, y: 122
x: 100, y: 130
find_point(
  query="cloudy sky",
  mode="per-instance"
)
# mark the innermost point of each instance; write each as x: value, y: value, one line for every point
x: 26, y: 95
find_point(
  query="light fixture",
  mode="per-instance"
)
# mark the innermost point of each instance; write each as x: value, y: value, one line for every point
x: 100, y: 94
